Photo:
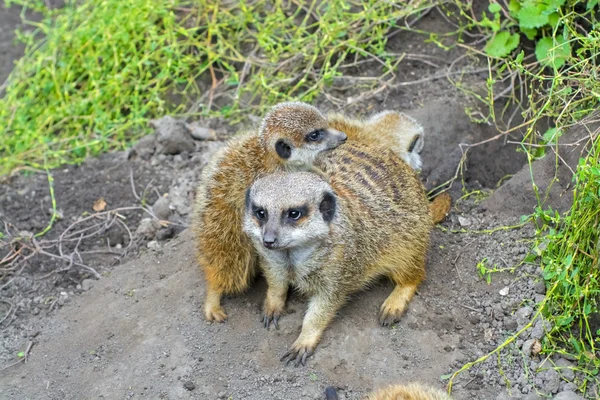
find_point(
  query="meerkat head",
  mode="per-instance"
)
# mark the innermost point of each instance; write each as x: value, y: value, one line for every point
x: 407, y: 131
x: 286, y: 211
x: 298, y: 132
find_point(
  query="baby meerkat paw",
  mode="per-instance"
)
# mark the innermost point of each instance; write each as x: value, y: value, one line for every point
x: 215, y: 314
x: 300, y: 351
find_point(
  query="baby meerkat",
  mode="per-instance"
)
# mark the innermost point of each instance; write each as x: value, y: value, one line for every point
x: 331, y: 239
x: 390, y: 129
x: 410, y: 391
x: 291, y: 135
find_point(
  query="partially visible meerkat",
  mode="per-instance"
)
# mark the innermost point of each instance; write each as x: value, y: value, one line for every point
x: 409, y: 391
x: 331, y: 239
x: 391, y: 129
x: 291, y: 135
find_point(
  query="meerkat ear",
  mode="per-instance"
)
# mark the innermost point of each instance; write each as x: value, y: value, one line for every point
x: 412, y: 145
x: 283, y: 149
x: 247, y: 198
x: 327, y: 206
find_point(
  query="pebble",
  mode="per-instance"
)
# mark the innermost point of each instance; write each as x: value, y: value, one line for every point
x: 189, y: 385
x: 146, y: 228
x: 565, y: 369
x: 568, y: 395
x: 87, y: 284
x: 522, y: 315
x: 222, y: 395
x: 161, y: 208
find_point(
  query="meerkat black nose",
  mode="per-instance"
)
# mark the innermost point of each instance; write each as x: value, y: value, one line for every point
x: 270, y: 242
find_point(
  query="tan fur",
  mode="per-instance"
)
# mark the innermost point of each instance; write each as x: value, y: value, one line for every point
x: 389, y: 129
x: 224, y: 253
x: 440, y: 207
x: 411, y: 391
x: 381, y: 228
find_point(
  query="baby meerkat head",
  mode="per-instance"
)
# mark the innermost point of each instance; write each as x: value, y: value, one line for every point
x: 298, y: 132
x: 289, y: 210
x: 407, y: 132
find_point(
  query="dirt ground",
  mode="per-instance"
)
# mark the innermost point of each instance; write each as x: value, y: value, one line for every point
x: 138, y: 331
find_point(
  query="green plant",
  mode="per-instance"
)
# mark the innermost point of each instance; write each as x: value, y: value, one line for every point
x: 542, y: 58
x: 94, y: 73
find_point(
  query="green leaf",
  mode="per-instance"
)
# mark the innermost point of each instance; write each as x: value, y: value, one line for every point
x: 513, y: 8
x: 591, y: 4
x: 502, y: 44
x: 494, y: 7
x: 562, y: 321
x: 552, y: 135
x: 21, y: 354
x: 552, y: 53
x: 553, y: 19
x: 520, y: 57
x: 444, y: 377
x: 529, y: 33
x: 532, y: 16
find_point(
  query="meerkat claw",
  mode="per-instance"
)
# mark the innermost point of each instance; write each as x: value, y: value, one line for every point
x: 299, y: 356
x: 268, y: 318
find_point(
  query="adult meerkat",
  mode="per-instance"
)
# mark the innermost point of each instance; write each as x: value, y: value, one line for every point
x: 331, y: 239
x: 410, y: 391
x: 291, y: 135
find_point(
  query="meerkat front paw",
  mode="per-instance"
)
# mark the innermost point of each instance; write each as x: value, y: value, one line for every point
x: 300, y: 351
x: 391, y: 310
x: 215, y: 314
x: 271, y: 313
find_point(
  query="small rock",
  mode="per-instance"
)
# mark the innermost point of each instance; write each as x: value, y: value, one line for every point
x: 568, y: 395
x: 35, y: 311
x: 504, y: 291
x: 201, y: 133
x: 221, y: 395
x: 570, y: 387
x: 539, y: 287
x: 87, y: 284
x: 522, y: 315
x: 144, y: 148
x: 540, y: 328
x: 173, y: 136
x: 551, y: 381
x: 510, y: 324
x: 146, y: 229
x: 161, y: 208
x: 165, y: 233
x: 565, y: 369
x: 464, y: 222
x: 533, y: 396
x: 189, y: 385
x: 153, y: 245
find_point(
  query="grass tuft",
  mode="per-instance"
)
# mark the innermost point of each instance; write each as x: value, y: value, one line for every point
x: 94, y: 73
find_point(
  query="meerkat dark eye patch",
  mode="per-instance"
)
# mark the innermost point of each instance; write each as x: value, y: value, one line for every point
x: 327, y: 206
x: 413, y: 143
x: 283, y: 149
x: 295, y: 214
x: 315, y: 136
x: 259, y: 213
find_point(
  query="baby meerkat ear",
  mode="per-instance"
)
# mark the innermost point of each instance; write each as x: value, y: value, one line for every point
x: 327, y: 206
x: 283, y: 149
x: 412, y: 145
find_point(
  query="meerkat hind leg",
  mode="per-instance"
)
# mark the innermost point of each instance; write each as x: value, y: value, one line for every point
x: 321, y: 311
x: 212, y: 306
x: 394, y: 306
x: 274, y: 305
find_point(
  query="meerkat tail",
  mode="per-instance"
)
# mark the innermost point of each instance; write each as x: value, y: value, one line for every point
x: 440, y: 207
x: 330, y: 393
x: 411, y: 391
